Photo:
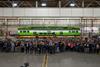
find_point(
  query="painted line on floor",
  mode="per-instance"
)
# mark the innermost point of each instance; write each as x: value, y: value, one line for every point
x: 45, y: 61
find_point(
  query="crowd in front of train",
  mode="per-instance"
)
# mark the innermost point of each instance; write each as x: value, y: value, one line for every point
x: 51, y: 46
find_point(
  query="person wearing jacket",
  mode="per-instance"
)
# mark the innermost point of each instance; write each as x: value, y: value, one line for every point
x: 22, y: 47
x: 97, y: 48
x: 27, y: 46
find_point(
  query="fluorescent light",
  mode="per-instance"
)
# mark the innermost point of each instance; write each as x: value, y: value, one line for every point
x: 72, y: 4
x: 14, y: 4
x: 43, y: 4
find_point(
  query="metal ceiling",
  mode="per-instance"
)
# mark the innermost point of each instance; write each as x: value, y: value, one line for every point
x: 51, y: 3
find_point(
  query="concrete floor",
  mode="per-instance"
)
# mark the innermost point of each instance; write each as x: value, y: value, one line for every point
x: 74, y: 60
x: 67, y: 59
x: 18, y: 59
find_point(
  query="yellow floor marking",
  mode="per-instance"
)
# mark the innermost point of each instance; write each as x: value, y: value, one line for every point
x: 45, y: 61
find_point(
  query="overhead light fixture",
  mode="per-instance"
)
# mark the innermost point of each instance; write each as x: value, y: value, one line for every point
x: 14, y: 4
x: 72, y: 4
x: 43, y: 4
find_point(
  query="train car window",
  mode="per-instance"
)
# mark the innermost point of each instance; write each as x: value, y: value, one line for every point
x: 69, y: 31
x: 76, y: 31
x: 20, y: 31
x: 49, y: 33
x: 28, y: 31
x: 73, y: 31
x: 24, y: 31
x: 45, y: 33
x: 40, y: 33
x: 34, y: 33
x: 53, y: 33
x: 61, y: 33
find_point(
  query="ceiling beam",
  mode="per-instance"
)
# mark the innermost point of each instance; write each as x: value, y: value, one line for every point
x: 83, y: 4
x: 67, y: 3
x: 98, y: 2
x: 88, y: 5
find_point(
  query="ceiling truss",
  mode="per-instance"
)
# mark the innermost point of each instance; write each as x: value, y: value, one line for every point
x: 50, y: 3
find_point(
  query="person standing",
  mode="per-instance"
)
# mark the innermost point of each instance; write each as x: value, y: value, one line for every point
x: 12, y: 46
x: 4, y: 47
x: 35, y: 47
x: 31, y: 47
x: 27, y: 46
x: 1, y: 45
x: 50, y: 46
x: 57, y: 47
x: 8, y: 47
x: 22, y: 47
x: 97, y: 48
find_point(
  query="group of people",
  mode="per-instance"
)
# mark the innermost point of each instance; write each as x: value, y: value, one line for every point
x: 51, y: 45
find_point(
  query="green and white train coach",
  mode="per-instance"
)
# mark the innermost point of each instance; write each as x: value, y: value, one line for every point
x: 49, y: 31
